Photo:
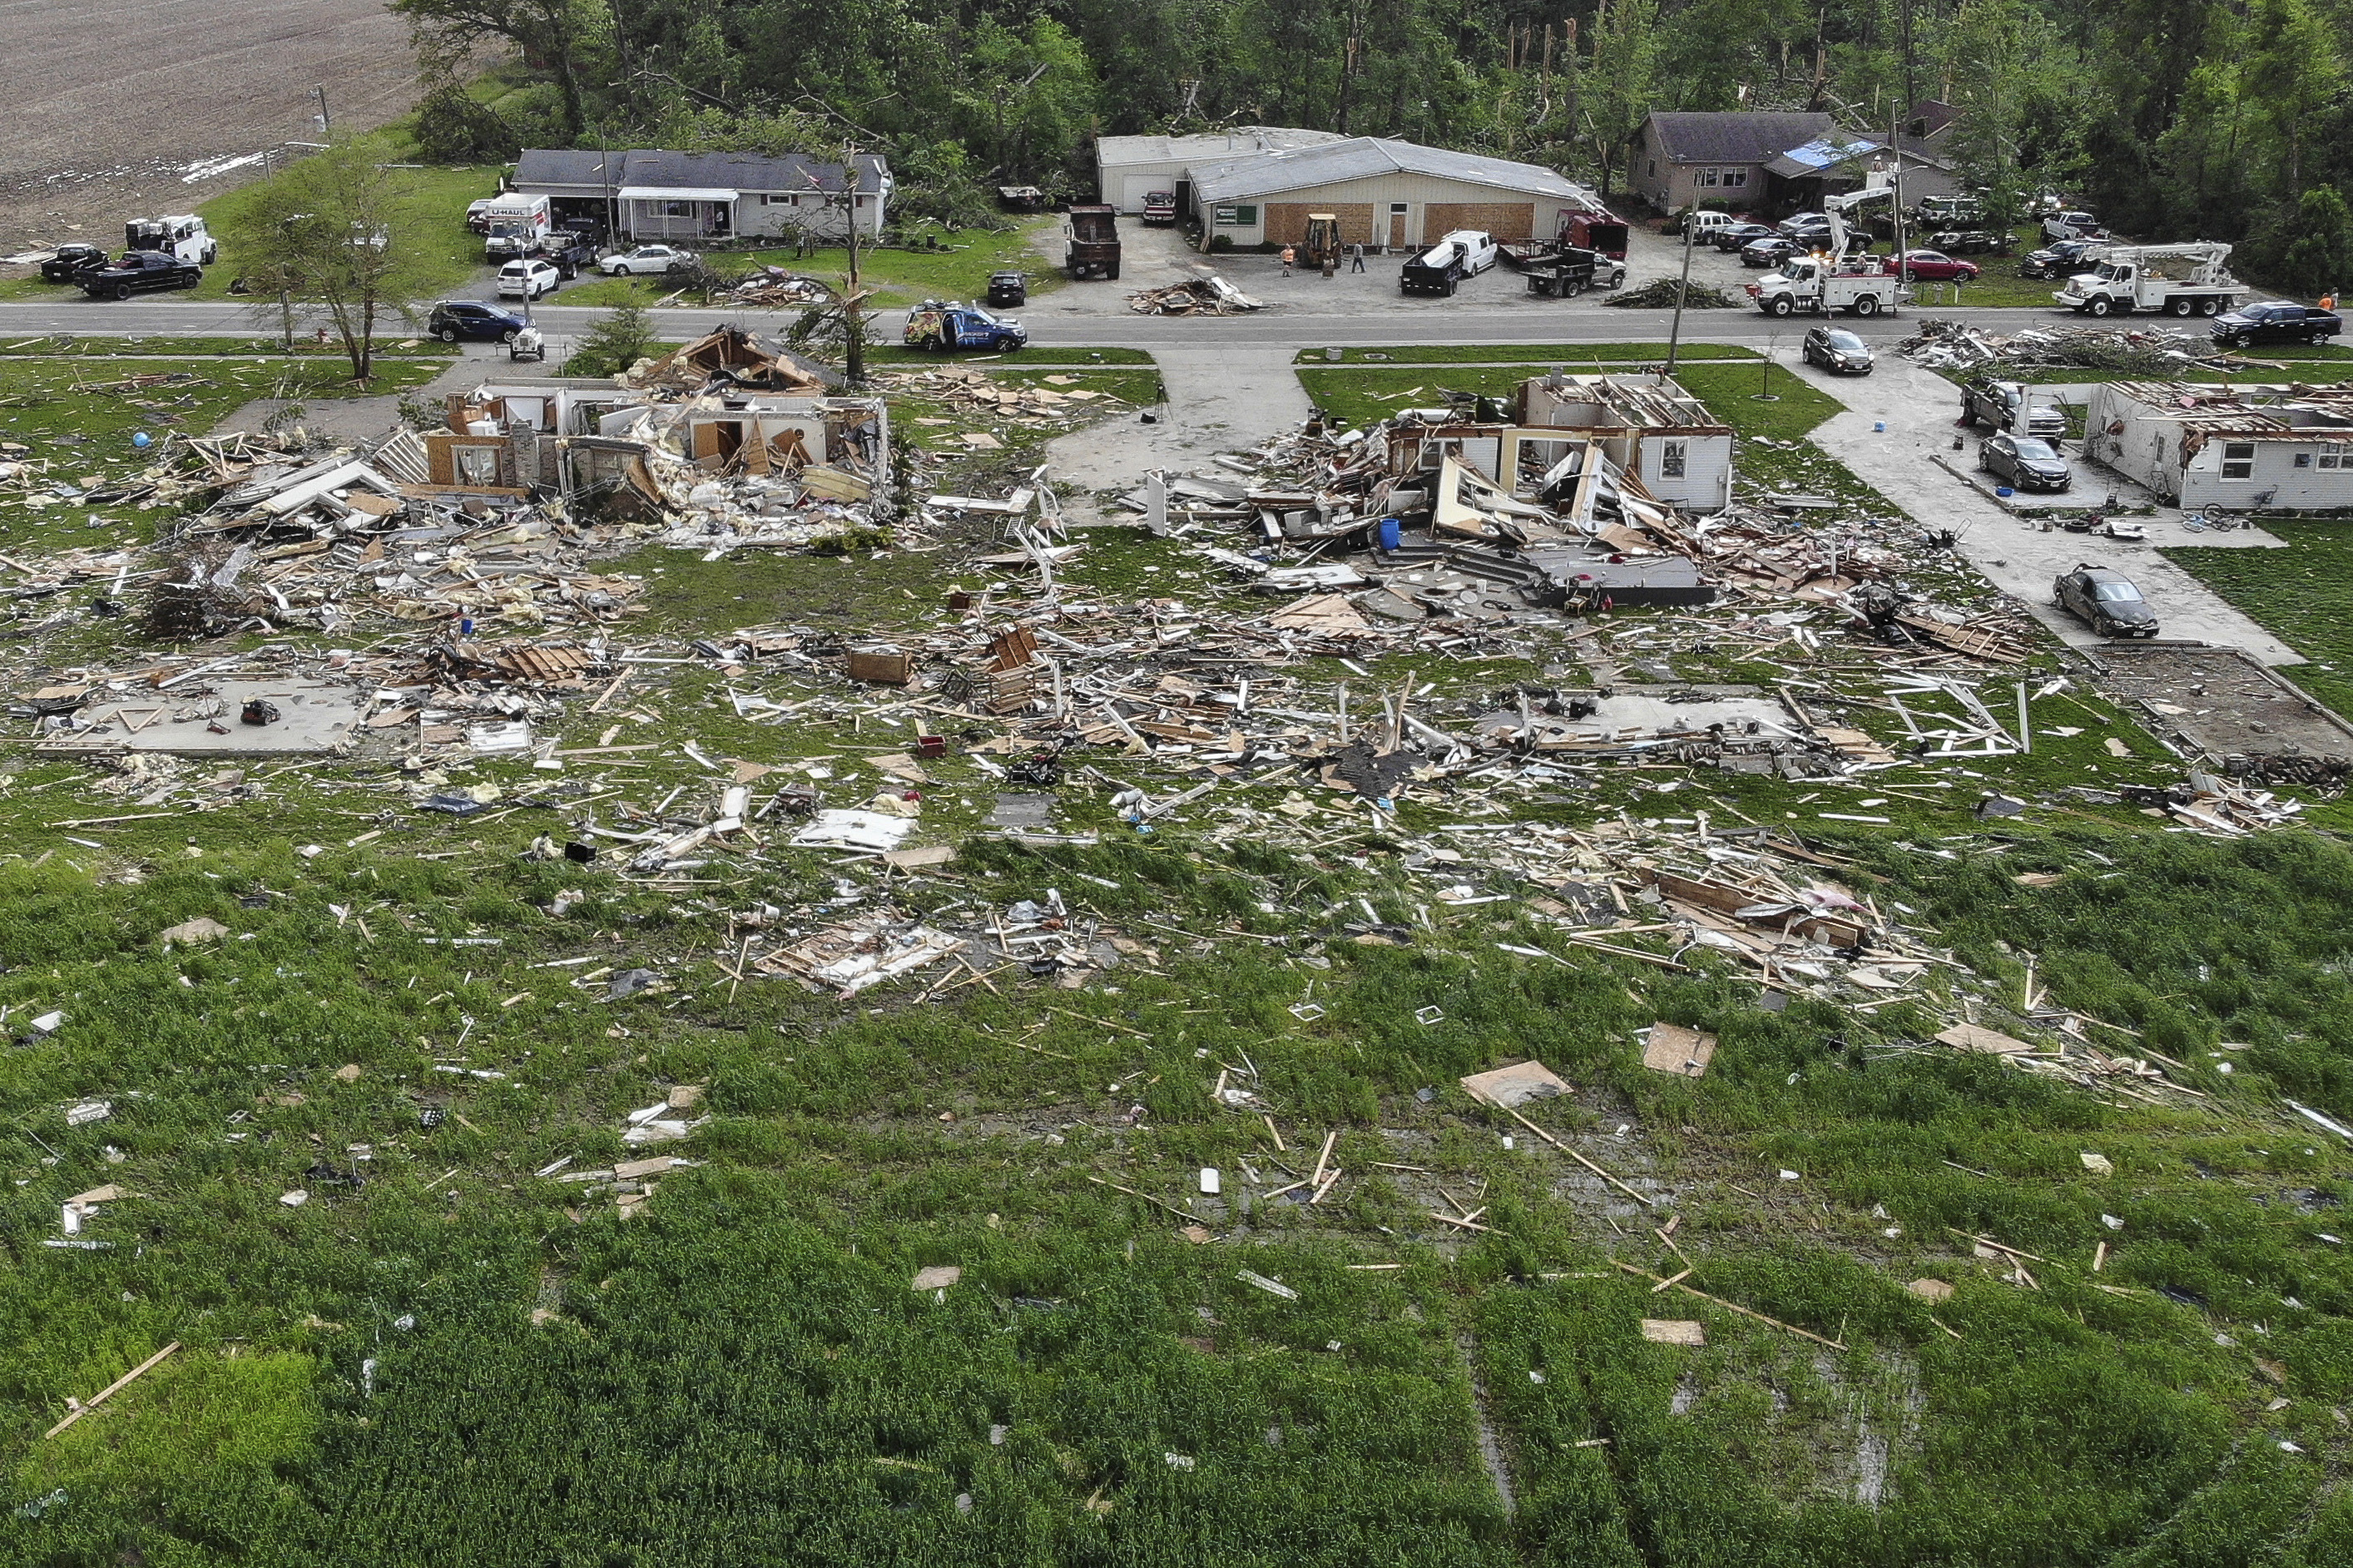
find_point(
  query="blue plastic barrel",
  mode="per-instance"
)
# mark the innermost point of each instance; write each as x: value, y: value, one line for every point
x: 1391, y: 533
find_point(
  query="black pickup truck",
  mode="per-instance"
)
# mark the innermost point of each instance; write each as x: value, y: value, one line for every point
x: 70, y: 262
x: 570, y: 254
x: 139, y: 272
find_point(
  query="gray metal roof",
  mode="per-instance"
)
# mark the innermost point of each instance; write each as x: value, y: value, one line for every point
x: 1734, y: 137
x: 542, y: 166
x: 1372, y: 157
x: 1116, y: 152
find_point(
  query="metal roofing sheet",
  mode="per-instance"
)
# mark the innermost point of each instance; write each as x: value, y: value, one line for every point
x: 1371, y: 157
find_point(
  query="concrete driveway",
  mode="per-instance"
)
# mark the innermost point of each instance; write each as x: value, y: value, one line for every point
x: 2020, y: 555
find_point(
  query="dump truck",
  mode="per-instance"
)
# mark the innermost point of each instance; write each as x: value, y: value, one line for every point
x: 2192, y: 279
x: 1093, y: 243
x: 1599, y: 229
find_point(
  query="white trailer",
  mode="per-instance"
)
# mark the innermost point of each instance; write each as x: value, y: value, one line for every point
x: 2192, y: 279
x: 182, y: 236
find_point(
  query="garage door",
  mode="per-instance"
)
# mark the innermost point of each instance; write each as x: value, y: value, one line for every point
x: 1507, y: 221
x: 1286, y: 222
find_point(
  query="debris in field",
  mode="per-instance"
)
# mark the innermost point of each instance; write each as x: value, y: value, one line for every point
x: 187, y: 933
x: 1931, y: 1289
x: 853, y: 956
x: 86, y: 1112
x: 1660, y: 295
x: 1673, y: 1332
x: 1271, y: 1287
x: 81, y: 1408
x: 2139, y: 352
x: 1671, y: 1048
x: 938, y: 1277
x: 1507, y: 1086
x: 2098, y: 1164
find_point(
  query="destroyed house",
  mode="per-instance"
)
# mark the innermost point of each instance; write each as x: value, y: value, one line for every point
x: 2237, y: 447
x: 1650, y: 428
x: 650, y: 194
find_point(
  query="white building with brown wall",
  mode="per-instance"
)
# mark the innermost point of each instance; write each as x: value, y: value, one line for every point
x: 1387, y: 195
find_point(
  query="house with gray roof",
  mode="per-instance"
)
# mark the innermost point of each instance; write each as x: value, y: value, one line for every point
x: 1758, y: 162
x: 648, y: 194
x: 1386, y: 195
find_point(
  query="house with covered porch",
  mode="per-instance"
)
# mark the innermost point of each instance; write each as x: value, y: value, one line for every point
x: 701, y: 198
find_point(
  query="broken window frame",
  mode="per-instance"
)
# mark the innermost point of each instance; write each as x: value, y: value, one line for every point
x: 2238, y: 459
x: 1674, y: 459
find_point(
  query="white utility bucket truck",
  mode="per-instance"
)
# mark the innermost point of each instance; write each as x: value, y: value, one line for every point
x: 1831, y: 281
x: 2191, y: 278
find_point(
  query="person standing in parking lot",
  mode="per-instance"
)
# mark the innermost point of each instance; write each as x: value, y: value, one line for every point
x: 1355, y: 259
x: 1288, y: 256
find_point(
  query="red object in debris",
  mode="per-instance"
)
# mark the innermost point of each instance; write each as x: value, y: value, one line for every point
x: 930, y: 745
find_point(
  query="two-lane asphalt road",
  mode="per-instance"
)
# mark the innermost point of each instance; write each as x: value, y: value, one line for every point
x: 1277, y: 327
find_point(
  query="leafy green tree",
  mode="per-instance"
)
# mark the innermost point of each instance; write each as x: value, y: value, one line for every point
x: 2320, y: 258
x: 334, y: 233
x: 563, y: 37
x: 2294, y: 72
x: 621, y: 338
x: 451, y: 127
x: 1026, y: 94
x: 1620, y: 79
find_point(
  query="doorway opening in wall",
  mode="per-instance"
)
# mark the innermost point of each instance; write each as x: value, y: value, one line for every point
x: 1399, y: 211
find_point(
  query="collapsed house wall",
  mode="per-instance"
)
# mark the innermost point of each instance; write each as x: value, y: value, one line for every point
x: 2233, y: 448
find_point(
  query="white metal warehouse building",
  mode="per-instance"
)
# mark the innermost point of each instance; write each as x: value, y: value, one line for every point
x: 1392, y: 196
x: 1129, y: 168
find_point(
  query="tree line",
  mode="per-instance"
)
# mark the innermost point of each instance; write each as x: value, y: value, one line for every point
x: 2173, y: 119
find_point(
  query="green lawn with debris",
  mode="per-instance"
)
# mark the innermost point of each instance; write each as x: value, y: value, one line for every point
x: 70, y: 422
x: 957, y: 268
x: 932, y: 1276
x: 1522, y: 353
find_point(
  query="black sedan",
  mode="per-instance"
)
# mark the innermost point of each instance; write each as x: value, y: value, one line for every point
x: 70, y: 262
x: 2275, y: 323
x: 1734, y: 235
x: 139, y: 272
x: 2063, y: 259
x: 454, y: 318
x: 2106, y: 601
x: 1836, y: 349
x: 2024, y: 462
x: 1973, y: 241
x: 1770, y: 252
x: 1009, y: 289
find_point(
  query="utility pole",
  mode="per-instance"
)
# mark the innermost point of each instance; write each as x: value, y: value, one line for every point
x: 325, y: 125
x: 1683, y: 286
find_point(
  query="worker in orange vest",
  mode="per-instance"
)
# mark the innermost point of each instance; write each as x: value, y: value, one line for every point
x: 1288, y: 256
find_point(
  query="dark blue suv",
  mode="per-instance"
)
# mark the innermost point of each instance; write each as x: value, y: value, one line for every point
x: 454, y: 318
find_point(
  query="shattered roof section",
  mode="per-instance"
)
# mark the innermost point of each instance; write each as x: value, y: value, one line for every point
x: 733, y: 355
